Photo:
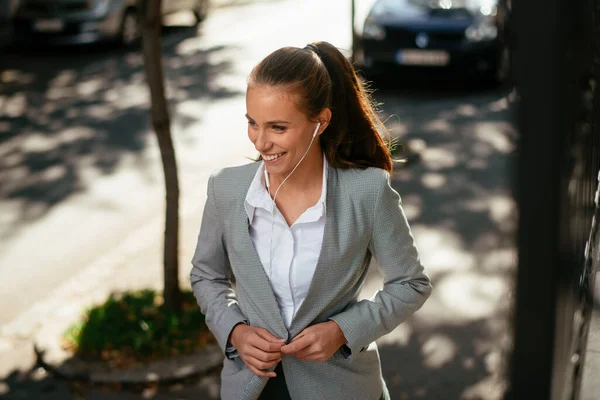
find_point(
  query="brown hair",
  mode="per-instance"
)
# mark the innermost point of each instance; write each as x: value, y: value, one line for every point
x: 324, y: 78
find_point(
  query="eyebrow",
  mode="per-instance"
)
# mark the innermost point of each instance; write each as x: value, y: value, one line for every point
x: 275, y: 122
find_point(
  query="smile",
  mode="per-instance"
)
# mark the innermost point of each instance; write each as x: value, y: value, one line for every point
x: 272, y: 157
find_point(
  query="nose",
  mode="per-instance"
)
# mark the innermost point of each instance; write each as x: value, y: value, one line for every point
x: 262, y: 142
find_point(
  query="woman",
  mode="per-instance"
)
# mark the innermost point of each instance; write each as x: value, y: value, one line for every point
x: 298, y: 230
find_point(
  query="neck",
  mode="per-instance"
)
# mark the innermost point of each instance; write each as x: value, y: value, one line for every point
x: 308, y: 174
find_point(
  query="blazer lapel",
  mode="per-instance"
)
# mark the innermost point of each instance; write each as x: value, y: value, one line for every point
x: 255, y: 281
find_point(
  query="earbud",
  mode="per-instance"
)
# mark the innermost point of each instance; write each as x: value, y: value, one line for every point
x: 317, y: 129
x: 277, y: 191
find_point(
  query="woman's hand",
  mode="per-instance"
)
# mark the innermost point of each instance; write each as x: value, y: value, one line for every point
x: 316, y: 343
x: 258, y: 348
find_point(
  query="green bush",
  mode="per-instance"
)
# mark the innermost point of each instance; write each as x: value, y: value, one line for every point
x: 135, y: 327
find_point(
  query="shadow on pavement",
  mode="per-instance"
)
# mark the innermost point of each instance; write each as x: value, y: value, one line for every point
x: 69, y: 114
x: 458, y: 199
x: 446, y: 363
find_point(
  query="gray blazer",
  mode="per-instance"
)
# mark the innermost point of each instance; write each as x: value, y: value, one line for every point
x: 364, y: 218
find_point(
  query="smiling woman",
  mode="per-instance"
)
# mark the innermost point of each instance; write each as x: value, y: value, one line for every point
x: 298, y: 229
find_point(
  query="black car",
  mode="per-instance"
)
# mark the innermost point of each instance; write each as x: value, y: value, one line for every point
x: 87, y: 21
x: 465, y: 36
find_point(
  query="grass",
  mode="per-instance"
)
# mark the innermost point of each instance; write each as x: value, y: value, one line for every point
x: 134, y: 327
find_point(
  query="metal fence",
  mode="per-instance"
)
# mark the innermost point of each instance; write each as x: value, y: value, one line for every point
x: 556, y: 60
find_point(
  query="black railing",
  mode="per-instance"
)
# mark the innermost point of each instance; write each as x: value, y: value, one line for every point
x: 556, y: 58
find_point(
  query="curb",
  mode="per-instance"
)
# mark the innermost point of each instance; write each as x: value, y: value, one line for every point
x: 64, y: 364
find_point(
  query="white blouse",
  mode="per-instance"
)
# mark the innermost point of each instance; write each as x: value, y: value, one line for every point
x: 295, y: 249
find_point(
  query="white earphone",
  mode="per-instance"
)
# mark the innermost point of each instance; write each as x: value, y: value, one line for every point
x: 316, y: 129
x: 268, y: 184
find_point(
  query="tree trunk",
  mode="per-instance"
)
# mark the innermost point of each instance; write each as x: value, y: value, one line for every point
x: 150, y: 12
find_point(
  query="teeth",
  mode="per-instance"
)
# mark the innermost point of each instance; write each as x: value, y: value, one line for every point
x: 273, y: 157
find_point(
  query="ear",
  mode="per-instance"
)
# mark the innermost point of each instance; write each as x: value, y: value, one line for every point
x: 324, y: 117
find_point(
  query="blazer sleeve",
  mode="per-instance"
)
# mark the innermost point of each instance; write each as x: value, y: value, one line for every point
x: 406, y: 286
x: 209, y: 275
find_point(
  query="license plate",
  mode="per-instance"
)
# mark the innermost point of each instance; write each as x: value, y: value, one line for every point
x: 49, y: 25
x: 423, y: 57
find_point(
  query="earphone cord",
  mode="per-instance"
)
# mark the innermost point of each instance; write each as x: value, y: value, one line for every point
x: 273, y: 204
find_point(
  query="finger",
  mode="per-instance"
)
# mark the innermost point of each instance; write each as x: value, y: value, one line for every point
x: 258, y: 364
x: 296, y: 346
x: 265, y: 346
x: 266, y: 335
x: 272, y: 364
x: 266, y: 342
x: 261, y: 355
x: 300, y: 335
x: 250, y: 363
x: 306, y: 353
x: 258, y: 372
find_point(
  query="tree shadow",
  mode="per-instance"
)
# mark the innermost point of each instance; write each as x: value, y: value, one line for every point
x: 447, y: 362
x: 464, y: 180
x: 69, y: 114
x: 459, y: 201
x: 27, y: 384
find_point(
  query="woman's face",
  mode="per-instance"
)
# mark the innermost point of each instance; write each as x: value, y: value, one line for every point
x: 281, y: 133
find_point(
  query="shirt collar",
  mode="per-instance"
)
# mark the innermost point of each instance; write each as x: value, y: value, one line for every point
x: 258, y: 197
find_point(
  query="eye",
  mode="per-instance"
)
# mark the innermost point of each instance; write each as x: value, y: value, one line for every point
x: 252, y: 124
x: 279, y: 128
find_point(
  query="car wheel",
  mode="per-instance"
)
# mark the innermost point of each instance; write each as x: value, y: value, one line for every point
x: 201, y: 10
x: 131, y: 31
